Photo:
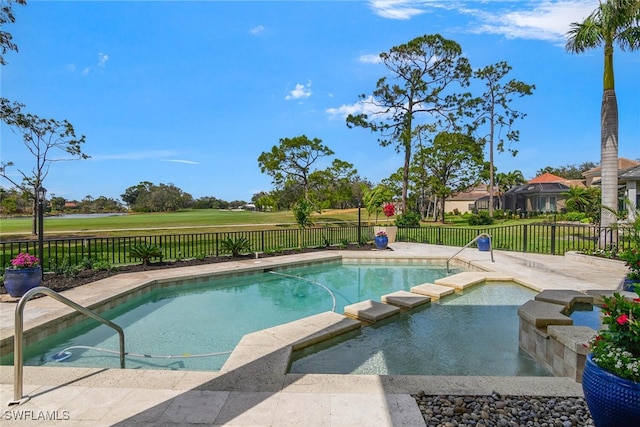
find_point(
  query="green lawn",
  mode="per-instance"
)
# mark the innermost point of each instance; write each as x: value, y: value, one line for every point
x: 198, y: 221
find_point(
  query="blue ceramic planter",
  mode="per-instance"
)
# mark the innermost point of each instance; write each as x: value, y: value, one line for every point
x: 612, y: 401
x: 18, y: 281
x: 484, y: 244
x: 629, y: 284
x: 381, y: 242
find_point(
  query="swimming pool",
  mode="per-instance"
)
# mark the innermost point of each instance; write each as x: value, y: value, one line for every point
x: 472, y: 333
x: 211, y: 317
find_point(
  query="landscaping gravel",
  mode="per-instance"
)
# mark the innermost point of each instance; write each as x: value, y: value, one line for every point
x: 503, y: 411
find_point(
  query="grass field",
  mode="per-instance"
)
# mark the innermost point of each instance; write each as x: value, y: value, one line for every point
x: 199, y: 220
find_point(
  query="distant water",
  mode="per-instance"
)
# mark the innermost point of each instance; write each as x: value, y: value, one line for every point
x: 94, y: 215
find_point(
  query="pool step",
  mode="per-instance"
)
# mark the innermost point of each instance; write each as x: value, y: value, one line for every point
x: 432, y: 290
x: 406, y: 300
x: 370, y: 311
x: 462, y: 280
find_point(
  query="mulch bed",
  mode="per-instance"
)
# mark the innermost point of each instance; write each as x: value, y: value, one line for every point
x: 60, y: 282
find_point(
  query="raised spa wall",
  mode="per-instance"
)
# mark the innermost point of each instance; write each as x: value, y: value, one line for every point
x: 548, y: 335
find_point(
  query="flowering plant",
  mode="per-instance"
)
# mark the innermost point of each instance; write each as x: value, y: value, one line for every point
x: 389, y: 210
x: 632, y: 259
x: 24, y: 260
x: 381, y: 233
x: 617, y: 348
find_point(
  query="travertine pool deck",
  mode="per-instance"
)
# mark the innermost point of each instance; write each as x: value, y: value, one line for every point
x: 253, y: 388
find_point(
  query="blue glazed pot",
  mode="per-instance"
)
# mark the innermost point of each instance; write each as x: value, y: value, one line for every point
x: 629, y: 284
x: 612, y: 401
x: 484, y: 244
x: 18, y: 281
x: 381, y: 242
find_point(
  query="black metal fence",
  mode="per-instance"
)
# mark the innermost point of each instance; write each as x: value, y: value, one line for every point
x: 554, y: 239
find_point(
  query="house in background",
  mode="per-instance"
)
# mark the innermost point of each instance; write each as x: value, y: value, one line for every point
x: 466, y: 201
x: 543, y: 193
x: 630, y: 178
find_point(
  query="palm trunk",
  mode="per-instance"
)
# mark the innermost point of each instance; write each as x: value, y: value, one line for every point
x: 609, y: 163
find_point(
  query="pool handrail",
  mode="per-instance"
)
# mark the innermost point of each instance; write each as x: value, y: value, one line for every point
x: 18, y: 340
x: 471, y: 242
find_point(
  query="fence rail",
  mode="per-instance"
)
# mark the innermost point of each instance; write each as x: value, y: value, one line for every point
x: 554, y: 239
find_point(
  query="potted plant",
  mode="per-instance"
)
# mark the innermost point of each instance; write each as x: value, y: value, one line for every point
x: 24, y: 273
x: 631, y: 257
x: 611, y: 377
x: 389, y: 210
x: 381, y: 240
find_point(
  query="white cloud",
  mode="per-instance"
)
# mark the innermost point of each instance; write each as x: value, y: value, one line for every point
x: 366, y: 106
x: 396, y: 9
x: 257, y: 30
x: 370, y: 59
x: 549, y: 20
x: 187, y: 162
x: 300, y: 92
x: 535, y: 19
x: 102, y: 59
x: 135, y: 155
x: 86, y: 71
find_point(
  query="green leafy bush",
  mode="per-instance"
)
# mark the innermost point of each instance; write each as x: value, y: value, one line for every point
x: 575, y: 216
x: 481, y: 218
x: 499, y: 214
x: 235, y: 246
x: 409, y: 219
x: 146, y: 252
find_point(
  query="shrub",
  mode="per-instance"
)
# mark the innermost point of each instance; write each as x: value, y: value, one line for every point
x: 498, y: 214
x: 146, y: 252
x: 409, y: 219
x: 575, y: 216
x: 235, y: 246
x: 456, y: 211
x: 481, y: 218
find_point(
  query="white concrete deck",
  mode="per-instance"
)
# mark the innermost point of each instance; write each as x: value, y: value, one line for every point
x: 253, y: 388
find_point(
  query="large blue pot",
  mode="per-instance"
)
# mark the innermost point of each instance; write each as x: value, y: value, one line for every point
x: 484, y: 244
x: 18, y: 281
x: 381, y: 242
x: 612, y: 401
x: 629, y: 284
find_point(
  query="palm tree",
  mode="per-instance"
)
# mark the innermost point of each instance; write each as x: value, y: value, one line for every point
x: 613, y: 22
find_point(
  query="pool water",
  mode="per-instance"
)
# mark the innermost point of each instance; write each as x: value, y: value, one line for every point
x: 473, y: 333
x: 212, y: 317
x: 586, y: 315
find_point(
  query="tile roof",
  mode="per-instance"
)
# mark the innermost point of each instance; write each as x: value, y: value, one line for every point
x: 623, y: 164
x: 547, y: 177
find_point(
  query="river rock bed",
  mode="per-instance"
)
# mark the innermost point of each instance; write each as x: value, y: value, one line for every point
x: 503, y: 411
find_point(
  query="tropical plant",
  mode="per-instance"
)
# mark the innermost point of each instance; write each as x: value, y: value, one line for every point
x: 235, y: 246
x: 613, y: 22
x: 616, y: 348
x: 146, y: 252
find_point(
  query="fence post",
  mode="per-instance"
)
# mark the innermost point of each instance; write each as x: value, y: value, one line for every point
x: 524, y: 238
x: 553, y: 239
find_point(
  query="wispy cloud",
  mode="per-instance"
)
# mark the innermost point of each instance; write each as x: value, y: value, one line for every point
x: 366, y: 106
x: 102, y: 63
x: 187, y: 162
x: 300, y: 92
x: 547, y: 20
x: 102, y: 59
x: 135, y: 155
x: 370, y: 59
x: 257, y: 29
x: 397, y: 9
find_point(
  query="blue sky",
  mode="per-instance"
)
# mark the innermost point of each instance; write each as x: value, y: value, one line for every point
x: 190, y: 93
